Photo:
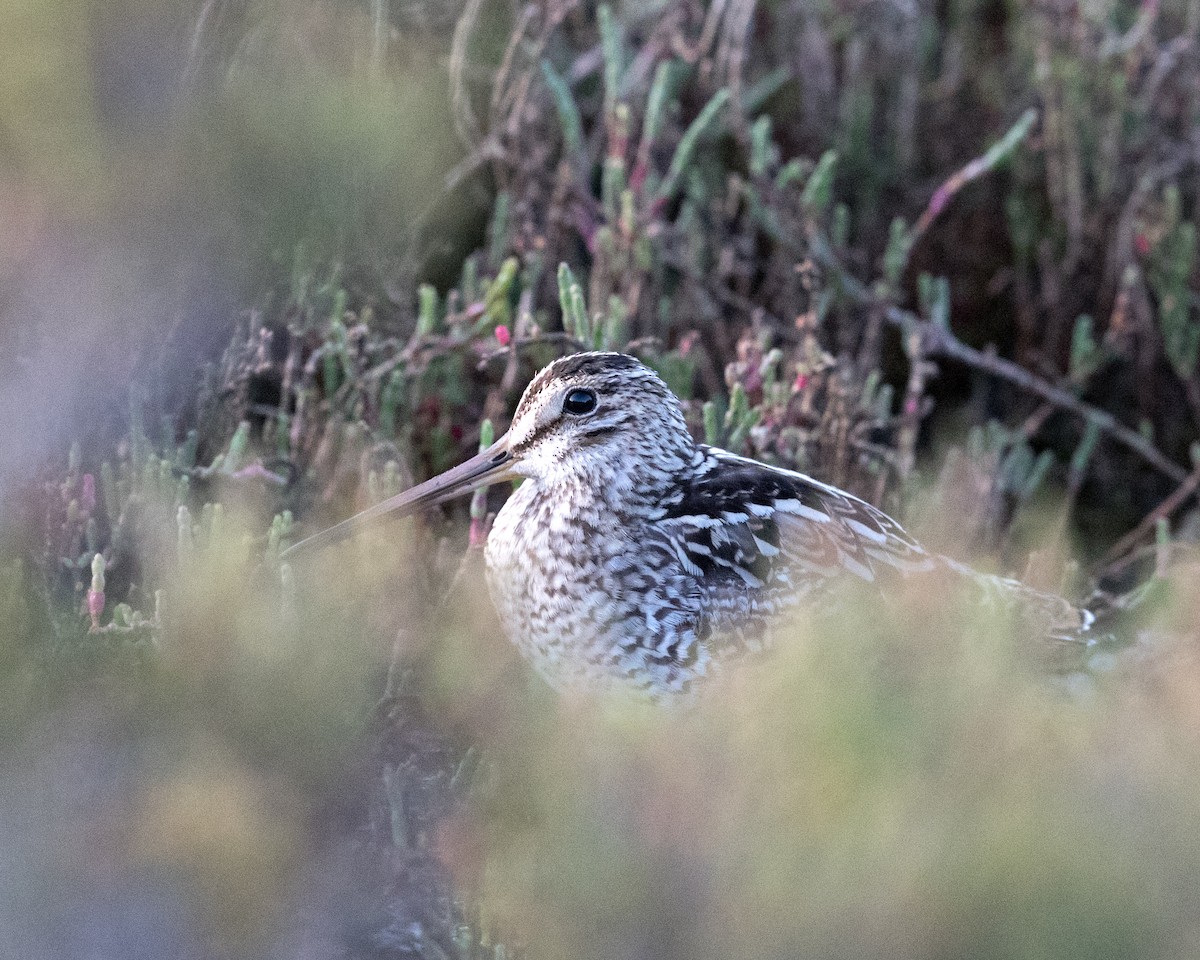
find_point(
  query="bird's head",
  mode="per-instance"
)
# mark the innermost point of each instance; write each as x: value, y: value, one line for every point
x: 590, y: 418
x: 591, y: 413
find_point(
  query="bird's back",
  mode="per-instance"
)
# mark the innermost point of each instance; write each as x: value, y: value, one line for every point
x: 664, y: 595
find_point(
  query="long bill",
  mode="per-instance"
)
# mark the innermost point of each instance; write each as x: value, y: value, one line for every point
x: 493, y: 465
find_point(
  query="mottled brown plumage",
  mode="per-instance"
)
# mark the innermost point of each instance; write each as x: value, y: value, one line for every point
x: 633, y: 555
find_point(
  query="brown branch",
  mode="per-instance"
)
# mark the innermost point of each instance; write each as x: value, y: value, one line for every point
x: 943, y: 343
x: 552, y: 337
x: 940, y: 342
x: 500, y: 88
x: 466, y: 124
x: 691, y: 54
x: 999, y: 152
x: 1187, y: 488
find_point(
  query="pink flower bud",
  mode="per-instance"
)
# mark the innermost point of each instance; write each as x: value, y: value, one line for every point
x: 503, y: 336
x: 938, y: 201
x: 87, y: 494
x: 95, y: 606
x: 637, y: 178
x: 801, y: 382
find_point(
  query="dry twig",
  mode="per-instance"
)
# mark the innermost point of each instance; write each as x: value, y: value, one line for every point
x: 940, y: 342
x: 1186, y: 489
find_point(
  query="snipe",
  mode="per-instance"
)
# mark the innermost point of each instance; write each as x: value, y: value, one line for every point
x: 633, y: 554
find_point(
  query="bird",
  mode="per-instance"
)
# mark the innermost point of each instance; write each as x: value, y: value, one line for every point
x: 632, y: 556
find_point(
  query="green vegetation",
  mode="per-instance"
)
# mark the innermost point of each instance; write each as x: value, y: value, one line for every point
x: 946, y: 260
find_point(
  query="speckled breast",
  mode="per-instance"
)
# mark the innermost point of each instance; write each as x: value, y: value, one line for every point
x: 553, y: 600
x: 583, y: 597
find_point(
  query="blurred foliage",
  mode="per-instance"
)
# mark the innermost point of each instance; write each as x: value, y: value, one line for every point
x: 365, y: 225
x: 898, y: 786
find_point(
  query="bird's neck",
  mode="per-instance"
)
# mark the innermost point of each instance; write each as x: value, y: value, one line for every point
x: 611, y: 486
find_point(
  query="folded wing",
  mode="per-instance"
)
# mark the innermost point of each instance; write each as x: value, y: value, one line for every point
x: 760, y: 540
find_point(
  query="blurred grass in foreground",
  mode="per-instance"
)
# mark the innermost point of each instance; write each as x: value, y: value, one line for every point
x: 901, y: 783
x: 165, y: 798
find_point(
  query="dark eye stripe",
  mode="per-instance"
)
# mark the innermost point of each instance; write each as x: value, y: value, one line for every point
x: 596, y: 432
x: 533, y: 438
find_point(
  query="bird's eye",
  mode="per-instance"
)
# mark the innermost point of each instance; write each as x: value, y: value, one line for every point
x: 579, y: 402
